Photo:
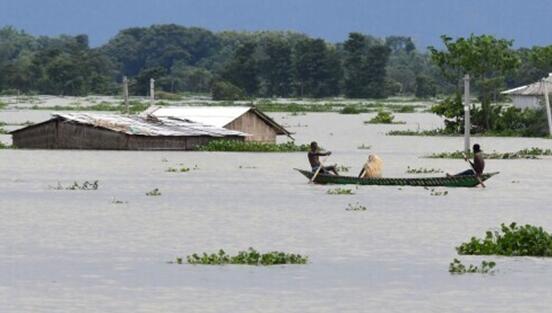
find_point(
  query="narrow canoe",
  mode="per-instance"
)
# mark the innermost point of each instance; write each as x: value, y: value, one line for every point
x: 454, y: 181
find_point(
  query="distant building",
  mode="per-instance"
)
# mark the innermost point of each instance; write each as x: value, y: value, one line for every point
x: 249, y: 120
x: 116, y: 132
x: 528, y: 96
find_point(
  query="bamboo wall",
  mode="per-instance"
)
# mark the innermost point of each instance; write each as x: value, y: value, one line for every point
x: 252, y: 124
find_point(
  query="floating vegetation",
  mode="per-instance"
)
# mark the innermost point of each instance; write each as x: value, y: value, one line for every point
x: 154, y: 193
x: 353, y: 109
x: 512, y: 240
x: 246, y: 167
x: 178, y: 170
x: 252, y: 146
x: 5, y: 146
x: 436, y: 192
x: 531, y: 153
x: 340, y: 191
x: 3, y: 131
x: 432, y: 132
x: 76, y: 186
x: 117, y: 201
x: 343, y: 168
x: 383, y: 117
x: 364, y: 147
x: 355, y: 207
x: 486, y: 267
x: 249, y: 257
x: 423, y: 170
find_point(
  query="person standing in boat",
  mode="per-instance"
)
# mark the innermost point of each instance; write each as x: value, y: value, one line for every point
x: 478, y: 164
x: 314, y: 160
x: 372, y: 168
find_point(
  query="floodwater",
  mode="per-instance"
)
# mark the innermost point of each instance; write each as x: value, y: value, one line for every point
x: 76, y: 251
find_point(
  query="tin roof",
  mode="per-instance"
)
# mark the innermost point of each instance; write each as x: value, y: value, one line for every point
x: 534, y: 89
x: 147, y: 126
x: 219, y: 116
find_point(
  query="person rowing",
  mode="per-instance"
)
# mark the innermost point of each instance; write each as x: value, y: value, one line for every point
x: 477, y: 166
x: 314, y: 160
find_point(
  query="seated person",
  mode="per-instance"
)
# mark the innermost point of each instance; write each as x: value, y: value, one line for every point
x: 372, y: 168
x: 477, y: 166
x: 314, y: 160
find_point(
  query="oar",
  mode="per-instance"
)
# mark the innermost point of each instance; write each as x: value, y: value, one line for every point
x: 318, y: 170
x: 476, y: 176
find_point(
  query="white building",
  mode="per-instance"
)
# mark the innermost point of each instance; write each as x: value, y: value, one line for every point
x: 529, y: 96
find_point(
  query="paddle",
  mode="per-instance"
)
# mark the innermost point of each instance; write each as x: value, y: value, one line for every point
x: 476, y: 176
x: 318, y: 170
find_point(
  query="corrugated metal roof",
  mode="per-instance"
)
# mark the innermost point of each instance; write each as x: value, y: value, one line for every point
x: 152, y: 126
x: 534, y: 89
x: 219, y: 116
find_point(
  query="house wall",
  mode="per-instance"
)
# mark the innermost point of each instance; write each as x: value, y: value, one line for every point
x: 63, y: 135
x: 522, y: 102
x: 251, y: 123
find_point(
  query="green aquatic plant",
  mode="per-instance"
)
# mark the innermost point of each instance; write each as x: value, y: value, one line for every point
x: 531, y: 153
x: 176, y: 170
x: 364, y: 147
x: 340, y: 191
x: 383, y: 117
x: 154, y: 193
x: 511, y: 240
x: 486, y: 267
x: 248, y: 257
x: 423, y: 170
x: 343, y: 168
x: 355, y: 207
x: 252, y: 146
x: 76, y: 186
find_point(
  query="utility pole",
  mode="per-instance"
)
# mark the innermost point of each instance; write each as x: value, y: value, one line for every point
x: 152, y: 91
x: 467, y: 123
x: 545, y: 83
x: 125, y: 93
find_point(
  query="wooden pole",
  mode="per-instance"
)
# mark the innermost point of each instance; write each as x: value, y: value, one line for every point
x: 545, y: 83
x: 152, y: 91
x: 125, y: 93
x: 467, y: 122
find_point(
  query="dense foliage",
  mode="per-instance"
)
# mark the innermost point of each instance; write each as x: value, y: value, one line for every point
x: 486, y: 267
x: 530, y: 153
x: 249, y: 257
x: 252, y: 146
x: 511, y: 240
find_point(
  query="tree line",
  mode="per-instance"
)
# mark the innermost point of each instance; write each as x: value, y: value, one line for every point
x: 239, y: 64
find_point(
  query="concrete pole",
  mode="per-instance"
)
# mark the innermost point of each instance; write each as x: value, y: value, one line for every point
x: 152, y: 91
x: 545, y: 83
x: 467, y: 122
x: 125, y: 93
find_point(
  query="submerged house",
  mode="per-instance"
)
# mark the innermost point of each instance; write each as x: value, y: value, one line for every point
x: 245, y: 119
x: 529, y: 96
x: 116, y: 132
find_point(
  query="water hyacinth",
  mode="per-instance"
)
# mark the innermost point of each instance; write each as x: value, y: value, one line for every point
x: 252, y: 146
x: 248, y: 257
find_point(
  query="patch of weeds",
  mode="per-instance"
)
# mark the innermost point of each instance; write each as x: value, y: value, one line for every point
x: 248, y: 257
x: 364, y: 147
x: 3, y: 131
x: 252, y: 146
x: 2, y: 105
x: 154, y: 193
x: 117, y: 201
x: 340, y: 191
x: 423, y: 170
x: 486, y: 267
x: 246, y: 167
x: 436, y: 192
x: 76, y: 186
x: 432, y: 132
x: 383, y: 117
x: 176, y: 170
x: 403, y: 109
x: 511, y: 240
x: 5, y: 146
x: 532, y: 153
x: 343, y: 168
x: 355, y: 207
x: 164, y: 160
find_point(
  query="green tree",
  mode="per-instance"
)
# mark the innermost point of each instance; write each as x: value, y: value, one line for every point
x: 486, y: 59
x: 277, y: 68
x: 425, y: 87
x: 242, y: 69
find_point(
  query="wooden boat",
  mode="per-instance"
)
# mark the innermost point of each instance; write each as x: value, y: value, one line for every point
x: 454, y: 181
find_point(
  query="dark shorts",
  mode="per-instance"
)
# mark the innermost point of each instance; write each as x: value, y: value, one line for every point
x: 469, y: 172
x: 323, y: 170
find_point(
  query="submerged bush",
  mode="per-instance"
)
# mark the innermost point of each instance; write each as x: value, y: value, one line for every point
x: 249, y: 257
x: 252, y: 146
x: 531, y: 153
x: 512, y: 240
x: 383, y: 117
x: 486, y: 267
x: 340, y: 191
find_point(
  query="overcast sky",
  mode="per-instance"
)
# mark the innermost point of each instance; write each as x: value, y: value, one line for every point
x: 528, y: 22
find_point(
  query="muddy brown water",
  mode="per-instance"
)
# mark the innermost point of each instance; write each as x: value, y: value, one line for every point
x: 76, y: 251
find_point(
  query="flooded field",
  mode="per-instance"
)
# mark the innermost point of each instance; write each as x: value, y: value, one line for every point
x: 84, y: 251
